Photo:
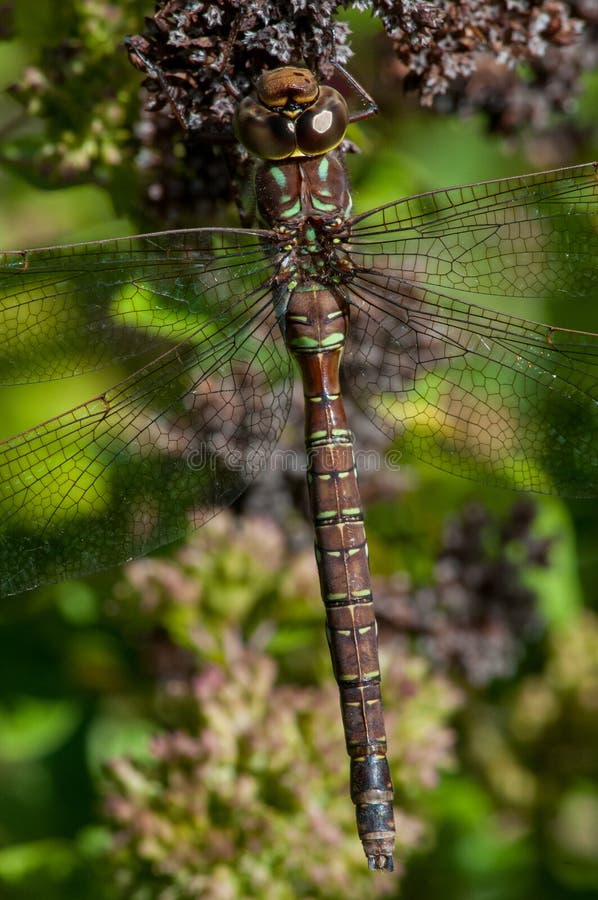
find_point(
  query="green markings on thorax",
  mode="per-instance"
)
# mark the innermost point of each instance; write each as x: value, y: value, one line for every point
x: 279, y: 176
x: 290, y: 212
x: 323, y: 168
x: 323, y: 205
x: 285, y: 211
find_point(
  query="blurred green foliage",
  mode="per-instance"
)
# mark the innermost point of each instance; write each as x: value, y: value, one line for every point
x: 497, y: 787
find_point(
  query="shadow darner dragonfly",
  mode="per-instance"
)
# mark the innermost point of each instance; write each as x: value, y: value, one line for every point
x: 421, y: 298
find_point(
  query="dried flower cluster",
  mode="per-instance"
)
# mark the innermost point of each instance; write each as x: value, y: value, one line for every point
x: 251, y: 801
x: 245, y: 791
x: 236, y: 806
x: 209, y: 53
x: 200, y: 58
x: 477, y: 615
x: 517, y: 61
x: 473, y: 48
x: 207, y: 48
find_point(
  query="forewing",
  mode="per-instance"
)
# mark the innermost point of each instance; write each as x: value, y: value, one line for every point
x: 480, y: 392
x: 71, y: 309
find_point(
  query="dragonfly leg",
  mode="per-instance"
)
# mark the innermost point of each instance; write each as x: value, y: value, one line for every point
x: 370, y: 106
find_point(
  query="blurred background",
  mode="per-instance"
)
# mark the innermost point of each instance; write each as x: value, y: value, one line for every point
x: 171, y: 730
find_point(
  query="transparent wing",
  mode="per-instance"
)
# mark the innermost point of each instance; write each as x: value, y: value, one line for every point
x: 529, y: 237
x: 160, y: 452
x: 432, y: 359
x: 76, y: 308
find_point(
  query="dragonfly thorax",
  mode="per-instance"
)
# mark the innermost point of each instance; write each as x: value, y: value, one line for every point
x: 290, y: 191
x: 314, y: 256
x: 291, y: 116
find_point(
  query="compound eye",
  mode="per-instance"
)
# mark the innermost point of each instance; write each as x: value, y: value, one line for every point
x: 264, y: 132
x: 322, y: 126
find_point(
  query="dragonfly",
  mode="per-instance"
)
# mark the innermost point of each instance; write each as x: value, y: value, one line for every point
x: 414, y: 308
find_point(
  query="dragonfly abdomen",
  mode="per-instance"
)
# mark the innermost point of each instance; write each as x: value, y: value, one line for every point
x: 316, y: 326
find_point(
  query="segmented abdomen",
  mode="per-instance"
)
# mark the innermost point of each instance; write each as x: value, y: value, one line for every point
x: 316, y: 325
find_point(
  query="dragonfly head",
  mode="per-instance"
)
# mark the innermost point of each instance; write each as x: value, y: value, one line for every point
x: 291, y: 116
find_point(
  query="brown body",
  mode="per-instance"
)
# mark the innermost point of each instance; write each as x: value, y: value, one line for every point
x: 342, y: 557
x: 307, y: 201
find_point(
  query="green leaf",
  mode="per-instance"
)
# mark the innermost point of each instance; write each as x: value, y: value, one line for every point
x: 32, y: 728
